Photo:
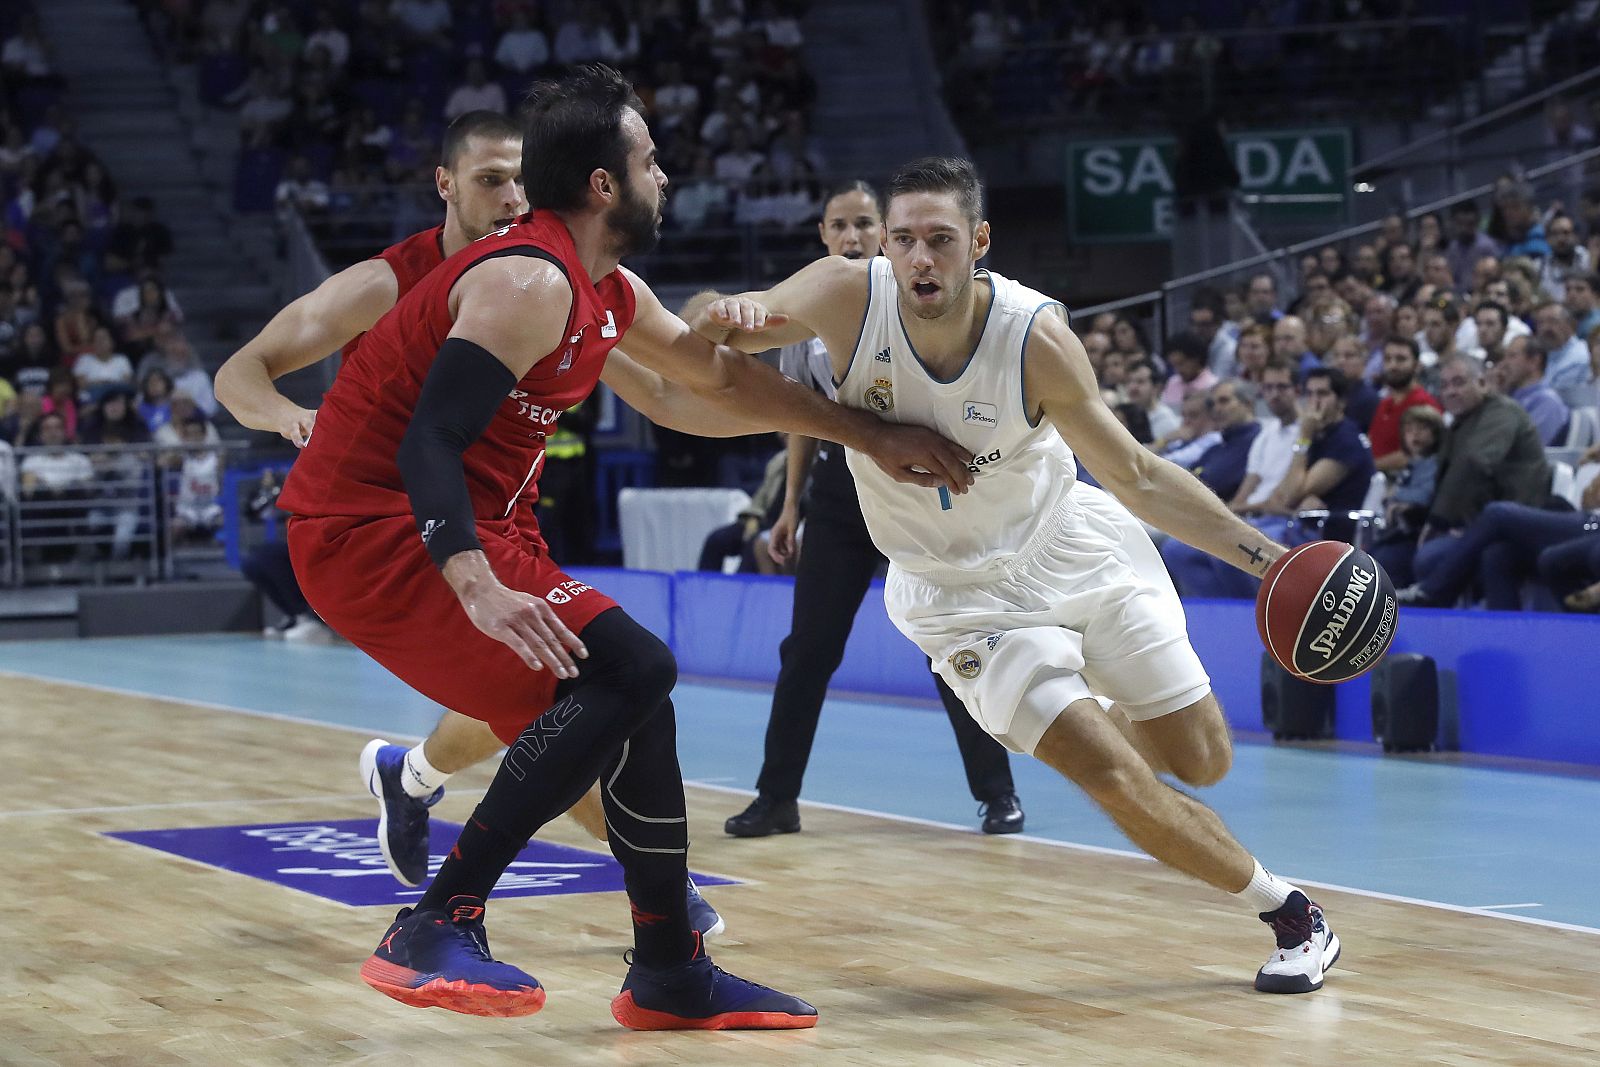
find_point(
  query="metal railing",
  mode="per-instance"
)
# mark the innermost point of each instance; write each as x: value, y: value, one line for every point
x: 102, y: 513
x: 1445, y: 150
x: 1169, y: 304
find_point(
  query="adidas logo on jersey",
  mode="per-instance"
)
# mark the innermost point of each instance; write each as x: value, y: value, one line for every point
x: 980, y: 461
x: 882, y: 357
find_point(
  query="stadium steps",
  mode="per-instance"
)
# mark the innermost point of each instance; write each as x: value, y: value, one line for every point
x: 1505, y: 78
x: 876, y: 106
x: 141, y: 119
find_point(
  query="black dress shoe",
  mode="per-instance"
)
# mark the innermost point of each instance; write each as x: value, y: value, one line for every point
x: 1002, y: 815
x: 766, y: 816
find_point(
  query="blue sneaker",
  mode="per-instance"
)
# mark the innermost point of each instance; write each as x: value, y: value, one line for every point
x: 702, y: 916
x: 699, y: 995
x: 440, y: 959
x: 402, y: 818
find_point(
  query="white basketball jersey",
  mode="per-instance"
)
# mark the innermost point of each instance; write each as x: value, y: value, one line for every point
x: 1023, y: 472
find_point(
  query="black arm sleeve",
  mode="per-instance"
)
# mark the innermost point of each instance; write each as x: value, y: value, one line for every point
x: 463, y: 390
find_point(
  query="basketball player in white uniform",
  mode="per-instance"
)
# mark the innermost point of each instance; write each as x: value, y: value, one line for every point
x: 1033, y: 592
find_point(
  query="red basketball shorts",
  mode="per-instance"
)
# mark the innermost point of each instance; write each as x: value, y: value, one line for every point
x: 374, y: 583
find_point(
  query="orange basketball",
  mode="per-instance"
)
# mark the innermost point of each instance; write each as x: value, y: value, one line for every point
x: 1326, y: 612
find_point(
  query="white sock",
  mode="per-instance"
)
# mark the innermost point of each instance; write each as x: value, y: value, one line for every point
x: 419, y: 778
x: 1266, y: 891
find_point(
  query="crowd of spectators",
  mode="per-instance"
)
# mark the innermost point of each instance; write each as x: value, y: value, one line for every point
x: 1446, y: 376
x: 342, y: 103
x: 1024, y: 61
x: 92, y: 347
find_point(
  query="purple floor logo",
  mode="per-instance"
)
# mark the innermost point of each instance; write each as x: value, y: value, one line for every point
x: 340, y: 860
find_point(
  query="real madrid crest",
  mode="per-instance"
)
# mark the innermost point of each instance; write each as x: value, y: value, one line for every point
x: 967, y: 663
x: 880, y: 395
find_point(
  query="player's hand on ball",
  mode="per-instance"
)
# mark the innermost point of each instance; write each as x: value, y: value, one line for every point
x: 744, y: 314
x: 918, y: 456
x: 525, y: 624
x: 296, y: 425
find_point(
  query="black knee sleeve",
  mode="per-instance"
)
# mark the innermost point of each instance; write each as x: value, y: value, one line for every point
x: 626, y: 658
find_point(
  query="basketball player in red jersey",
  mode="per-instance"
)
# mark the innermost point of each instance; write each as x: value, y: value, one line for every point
x: 480, y: 181
x: 435, y: 426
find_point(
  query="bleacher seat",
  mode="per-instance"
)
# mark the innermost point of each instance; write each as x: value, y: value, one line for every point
x: 1584, y: 428
x: 1363, y: 521
x: 1564, y: 482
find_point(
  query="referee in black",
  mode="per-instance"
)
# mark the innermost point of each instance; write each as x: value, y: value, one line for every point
x: 835, y: 569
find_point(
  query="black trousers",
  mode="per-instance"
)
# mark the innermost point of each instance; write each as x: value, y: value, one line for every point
x: 836, y: 566
x: 268, y: 568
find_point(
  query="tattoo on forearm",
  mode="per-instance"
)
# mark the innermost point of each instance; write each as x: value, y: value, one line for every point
x: 1254, y: 554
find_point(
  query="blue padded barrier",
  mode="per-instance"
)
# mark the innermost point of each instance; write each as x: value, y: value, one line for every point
x: 1511, y: 684
x: 645, y: 595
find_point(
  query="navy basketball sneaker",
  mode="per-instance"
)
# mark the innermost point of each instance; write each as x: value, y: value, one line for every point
x: 440, y: 959
x: 699, y: 995
x: 702, y: 916
x: 1307, y: 948
x: 402, y: 818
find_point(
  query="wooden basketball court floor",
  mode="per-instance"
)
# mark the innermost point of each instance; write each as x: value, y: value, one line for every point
x: 1470, y: 914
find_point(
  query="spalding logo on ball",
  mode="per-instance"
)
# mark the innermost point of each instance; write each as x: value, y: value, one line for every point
x: 1326, y: 612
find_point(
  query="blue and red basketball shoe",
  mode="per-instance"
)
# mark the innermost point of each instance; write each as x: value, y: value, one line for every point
x: 702, y: 916
x: 699, y: 995
x: 402, y: 818
x: 440, y: 959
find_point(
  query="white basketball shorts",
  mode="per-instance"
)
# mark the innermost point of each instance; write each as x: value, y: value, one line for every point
x: 1085, y: 610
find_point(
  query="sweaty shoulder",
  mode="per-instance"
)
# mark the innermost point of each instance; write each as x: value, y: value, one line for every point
x: 515, y: 306
x: 514, y: 278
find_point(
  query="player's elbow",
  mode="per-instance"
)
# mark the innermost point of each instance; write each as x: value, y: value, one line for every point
x: 228, y: 388
x: 1131, y: 476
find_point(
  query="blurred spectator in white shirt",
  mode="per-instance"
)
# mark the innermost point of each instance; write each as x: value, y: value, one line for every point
x: 523, y: 46
x: 300, y: 190
x: 422, y: 18
x: 102, y: 365
x: 330, y: 38
x: 478, y: 93
x: 740, y: 159
x: 677, y: 99
x: 584, y: 38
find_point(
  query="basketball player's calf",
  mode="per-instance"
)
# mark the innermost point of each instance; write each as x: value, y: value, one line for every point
x: 1086, y: 746
x: 1192, y: 744
x: 407, y: 782
x: 614, y: 719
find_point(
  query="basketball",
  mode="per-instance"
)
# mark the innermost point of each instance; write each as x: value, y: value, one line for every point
x: 1326, y: 612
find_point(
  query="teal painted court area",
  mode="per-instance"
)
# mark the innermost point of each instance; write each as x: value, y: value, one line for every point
x: 1468, y: 837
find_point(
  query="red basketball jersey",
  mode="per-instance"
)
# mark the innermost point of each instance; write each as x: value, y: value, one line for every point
x: 349, y: 466
x: 411, y: 260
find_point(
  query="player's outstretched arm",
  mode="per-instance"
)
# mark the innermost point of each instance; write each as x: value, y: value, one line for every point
x: 308, y: 330
x: 509, y: 313
x: 791, y: 311
x: 666, y: 403
x: 1060, y: 383
x: 749, y: 389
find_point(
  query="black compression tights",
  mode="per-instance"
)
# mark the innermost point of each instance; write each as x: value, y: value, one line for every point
x: 613, y: 722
